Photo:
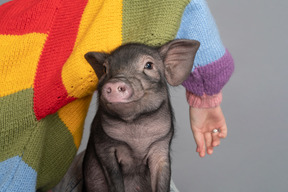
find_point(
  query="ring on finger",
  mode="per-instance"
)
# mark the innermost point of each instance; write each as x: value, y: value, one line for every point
x: 215, y: 131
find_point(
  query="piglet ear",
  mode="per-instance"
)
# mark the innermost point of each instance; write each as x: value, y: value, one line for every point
x: 96, y: 60
x: 178, y: 57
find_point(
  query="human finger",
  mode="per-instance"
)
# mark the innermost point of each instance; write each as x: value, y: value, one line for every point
x: 223, y: 131
x: 199, y: 139
x: 215, y: 139
x: 208, y: 142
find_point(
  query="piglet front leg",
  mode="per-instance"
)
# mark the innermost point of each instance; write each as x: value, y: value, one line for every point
x: 160, y: 169
x: 112, y: 171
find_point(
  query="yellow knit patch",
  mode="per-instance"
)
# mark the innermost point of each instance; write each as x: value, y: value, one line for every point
x: 73, y: 116
x: 100, y: 30
x: 19, y: 56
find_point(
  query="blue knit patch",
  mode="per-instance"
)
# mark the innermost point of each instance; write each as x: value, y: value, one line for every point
x: 197, y: 23
x: 16, y: 175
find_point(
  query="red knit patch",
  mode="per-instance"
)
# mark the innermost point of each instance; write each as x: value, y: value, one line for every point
x: 19, y: 17
x: 49, y: 91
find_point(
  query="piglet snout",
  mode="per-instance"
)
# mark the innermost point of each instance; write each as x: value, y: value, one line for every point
x: 115, y: 92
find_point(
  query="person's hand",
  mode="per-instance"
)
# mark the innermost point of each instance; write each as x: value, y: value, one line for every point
x: 203, y: 122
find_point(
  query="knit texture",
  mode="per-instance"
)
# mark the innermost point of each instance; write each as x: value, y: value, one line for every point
x: 205, y: 101
x: 46, y: 84
x: 213, y: 64
x: 211, y: 78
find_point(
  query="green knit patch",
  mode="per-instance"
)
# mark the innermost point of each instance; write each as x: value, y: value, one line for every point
x: 47, y: 146
x: 152, y: 22
x: 53, y: 148
x: 17, y: 122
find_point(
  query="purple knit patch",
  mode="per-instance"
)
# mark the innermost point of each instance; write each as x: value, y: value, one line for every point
x: 211, y: 78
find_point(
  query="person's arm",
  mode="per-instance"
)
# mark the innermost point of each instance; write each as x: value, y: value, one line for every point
x: 203, y: 121
x: 212, y: 69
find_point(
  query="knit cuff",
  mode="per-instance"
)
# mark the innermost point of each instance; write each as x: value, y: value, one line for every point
x: 204, y: 101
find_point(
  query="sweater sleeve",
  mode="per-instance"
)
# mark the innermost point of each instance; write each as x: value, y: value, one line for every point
x: 213, y: 64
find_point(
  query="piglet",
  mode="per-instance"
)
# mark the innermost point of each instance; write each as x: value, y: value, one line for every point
x: 129, y: 145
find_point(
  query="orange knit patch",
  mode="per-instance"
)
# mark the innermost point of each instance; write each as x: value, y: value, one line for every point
x: 73, y: 116
x: 100, y: 30
x: 19, y: 56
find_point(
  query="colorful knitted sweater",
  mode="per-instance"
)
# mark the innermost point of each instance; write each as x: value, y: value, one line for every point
x: 46, y: 85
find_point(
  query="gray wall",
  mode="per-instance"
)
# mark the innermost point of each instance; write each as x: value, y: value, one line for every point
x: 254, y: 156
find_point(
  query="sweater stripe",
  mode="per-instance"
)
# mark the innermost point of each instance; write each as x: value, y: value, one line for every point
x: 99, y: 30
x: 50, y: 151
x: 46, y: 146
x: 17, y: 123
x: 22, y: 17
x: 18, y: 67
x: 213, y: 64
x: 49, y: 91
x: 14, y: 170
x: 198, y: 23
x: 73, y: 116
x: 151, y: 22
x: 211, y: 78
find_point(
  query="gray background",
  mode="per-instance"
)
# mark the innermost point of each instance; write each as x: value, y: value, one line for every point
x: 254, y: 156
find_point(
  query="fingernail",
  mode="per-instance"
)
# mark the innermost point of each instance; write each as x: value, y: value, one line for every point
x: 215, y: 144
x: 210, y: 151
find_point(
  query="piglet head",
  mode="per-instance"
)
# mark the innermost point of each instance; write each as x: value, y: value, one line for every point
x: 133, y: 78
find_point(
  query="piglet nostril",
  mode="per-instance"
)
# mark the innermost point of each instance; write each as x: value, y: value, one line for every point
x: 121, y: 89
x: 108, y: 90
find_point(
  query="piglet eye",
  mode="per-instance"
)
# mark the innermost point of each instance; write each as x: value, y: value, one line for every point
x: 148, y: 65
